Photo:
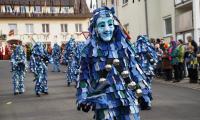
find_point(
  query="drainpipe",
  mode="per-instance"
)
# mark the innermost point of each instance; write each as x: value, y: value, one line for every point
x: 146, y: 18
x: 97, y: 5
x: 196, y: 18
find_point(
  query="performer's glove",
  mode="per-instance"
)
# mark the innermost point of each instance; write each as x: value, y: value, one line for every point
x: 85, y: 107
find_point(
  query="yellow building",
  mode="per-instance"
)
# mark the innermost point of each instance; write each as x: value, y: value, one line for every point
x: 47, y: 21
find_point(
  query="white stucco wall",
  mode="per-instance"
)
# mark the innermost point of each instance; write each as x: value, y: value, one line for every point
x: 167, y: 9
x: 55, y: 34
x: 154, y: 19
x: 196, y: 18
x: 133, y: 14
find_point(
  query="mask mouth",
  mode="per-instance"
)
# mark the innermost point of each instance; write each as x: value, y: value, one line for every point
x: 107, y: 33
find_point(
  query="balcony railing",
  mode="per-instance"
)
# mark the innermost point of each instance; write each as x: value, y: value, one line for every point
x: 43, y: 15
x: 183, y: 22
x: 181, y: 2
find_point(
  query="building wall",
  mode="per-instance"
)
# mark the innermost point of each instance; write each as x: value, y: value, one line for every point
x: 55, y: 34
x: 155, y: 23
x: 133, y: 14
x: 167, y: 9
x: 196, y: 19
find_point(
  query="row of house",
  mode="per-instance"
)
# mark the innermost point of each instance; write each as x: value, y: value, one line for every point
x: 47, y: 21
x: 51, y: 21
x: 159, y: 18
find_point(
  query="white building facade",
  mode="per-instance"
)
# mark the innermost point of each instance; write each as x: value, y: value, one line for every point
x: 187, y: 19
x: 47, y: 21
x: 145, y: 17
x: 158, y: 18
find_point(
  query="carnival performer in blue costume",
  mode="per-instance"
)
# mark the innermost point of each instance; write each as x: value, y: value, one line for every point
x: 19, y: 64
x: 110, y: 77
x: 77, y: 58
x: 38, y: 65
x: 78, y: 51
x: 147, y: 58
x: 56, y: 55
x: 68, y: 59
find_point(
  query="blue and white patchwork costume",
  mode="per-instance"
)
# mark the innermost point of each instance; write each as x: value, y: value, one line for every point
x: 56, y: 55
x: 38, y: 65
x: 68, y: 59
x: 147, y: 58
x: 110, y: 77
x: 19, y: 64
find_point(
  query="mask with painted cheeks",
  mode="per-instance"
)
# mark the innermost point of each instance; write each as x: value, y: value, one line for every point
x: 105, y: 28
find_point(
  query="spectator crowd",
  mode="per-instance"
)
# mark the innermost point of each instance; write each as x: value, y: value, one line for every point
x: 177, y: 59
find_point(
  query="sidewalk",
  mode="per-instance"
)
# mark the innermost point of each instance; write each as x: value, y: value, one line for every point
x: 184, y: 83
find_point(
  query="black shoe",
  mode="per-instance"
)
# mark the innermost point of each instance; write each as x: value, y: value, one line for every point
x: 37, y: 94
x: 20, y: 92
x: 175, y: 81
x: 68, y: 84
x: 150, y: 97
x: 193, y: 81
x: 148, y: 108
x: 46, y: 93
x: 16, y: 93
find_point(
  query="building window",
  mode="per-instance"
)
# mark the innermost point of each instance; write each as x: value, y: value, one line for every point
x: 103, y: 3
x: 37, y: 9
x: 112, y: 2
x: 65, y: 9
x: 8, y: 8
x: 78, y: 27
x: 29, y: 28
x: 22, y: 9
x: 13, y: 27
x: 64, y: 28
x: 125, y: 2
x: 45, y: 28
x: 52, y: 10
x: 168, y: 26
x: 178, y: 2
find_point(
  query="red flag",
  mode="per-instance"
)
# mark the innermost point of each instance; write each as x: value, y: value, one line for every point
x: 11, y: 32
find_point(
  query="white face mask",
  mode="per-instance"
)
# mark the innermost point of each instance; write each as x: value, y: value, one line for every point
x: 105, y: 28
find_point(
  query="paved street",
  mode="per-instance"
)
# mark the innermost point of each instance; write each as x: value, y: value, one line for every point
x: 171, y: 102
